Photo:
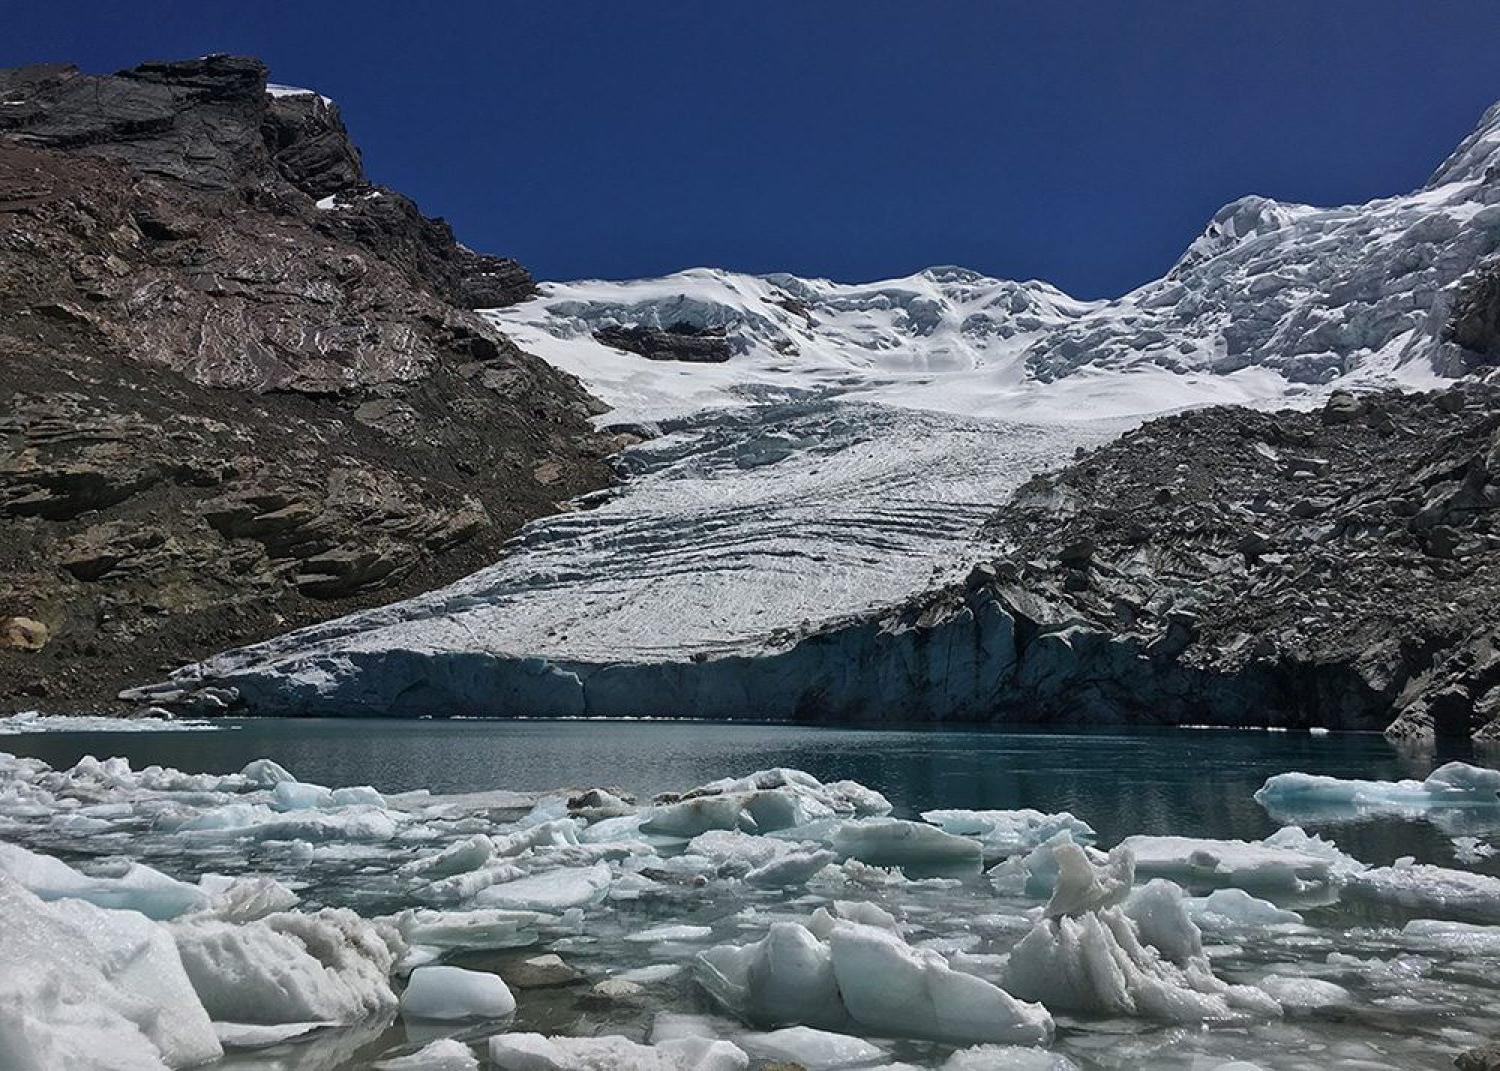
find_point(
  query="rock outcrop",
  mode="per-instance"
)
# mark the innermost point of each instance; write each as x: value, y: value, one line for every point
x: 242, y: 389
x: 679, y: 342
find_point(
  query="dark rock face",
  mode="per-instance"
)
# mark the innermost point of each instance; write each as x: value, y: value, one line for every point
x: 1485, y: 1058
x: 225, y: 410
x: 1337, y: 568
x: 1475, y: 321
x: 209, y: 124
x: 680, y: 342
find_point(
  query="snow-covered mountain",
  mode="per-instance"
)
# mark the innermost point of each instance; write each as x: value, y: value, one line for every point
x: 843, y: 455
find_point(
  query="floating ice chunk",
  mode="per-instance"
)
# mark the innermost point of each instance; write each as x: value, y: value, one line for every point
x: 1009, y: 832
x: 1264, y: 865
x: 817, y: 800
x: 899, y: 843
x: 1228, y: 909
x: 1295, y: 838
x: 669, y: 933
x: 865, y: 974
x: 553, y: 833
x: 487, y: 928
x: 1095, y: 960
x: 689, y: 818
x: 1007, y: 1058
x: 1432, y: 890
x: 445, y: 1054
x: 653, y: 974
x: 90, y: 989
x: 459, y: 857
x: 455, y: 993
x: 785, y: 977
x: 1472, y: 849
x: 357, y: 796
x: 769, y: 862
x: 1457, y: 785
x: 792, y: 869
x: 825, y: 918
x: 890, y: 987
x: 257, y: 821
x: 1033, y: 875
x: 263, y: 1035
x: 816, y: 1050
x: 1461, y: 937
x: 1305, y: 994
x: 1096, y: 964
x: 1081, y: 886
x: 244, y: 899
x: 31, y: 721
x: 135, y: 887
x: 300, y: 796
x: 533, y: 1052
x: 265, y: 773
x: 1161, y: 918
x: 331, y: 966
x: 552, y: 890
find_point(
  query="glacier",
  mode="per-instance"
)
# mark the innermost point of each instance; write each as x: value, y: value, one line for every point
x: 844, y: 456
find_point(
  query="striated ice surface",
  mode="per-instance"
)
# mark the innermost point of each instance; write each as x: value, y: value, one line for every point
x: 300, y: 954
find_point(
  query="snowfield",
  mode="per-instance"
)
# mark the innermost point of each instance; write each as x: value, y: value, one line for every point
x: 844, y: 456
x: 261, y: 922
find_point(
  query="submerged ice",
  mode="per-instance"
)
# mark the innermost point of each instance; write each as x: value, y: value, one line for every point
x: 154, y: 919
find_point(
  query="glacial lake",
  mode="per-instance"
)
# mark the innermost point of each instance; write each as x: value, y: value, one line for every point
x: 1165, y: 781
x: 1407, y: 999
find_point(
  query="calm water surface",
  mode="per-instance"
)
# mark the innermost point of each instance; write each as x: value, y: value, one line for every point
x: 1192, y: 782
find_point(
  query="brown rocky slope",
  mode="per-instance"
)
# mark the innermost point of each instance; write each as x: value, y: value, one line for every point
x: 240, y: 387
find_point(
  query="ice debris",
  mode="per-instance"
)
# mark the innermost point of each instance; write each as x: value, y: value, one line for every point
x: 1089, y: 954
x: 443, y: 992
x: 866, y: 976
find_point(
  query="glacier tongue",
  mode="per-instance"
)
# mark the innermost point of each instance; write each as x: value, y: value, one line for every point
x: 843, y: 456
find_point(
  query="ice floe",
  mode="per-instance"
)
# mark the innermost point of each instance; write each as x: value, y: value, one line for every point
x: 32, y: 721
x: 1088, y: 954
x: 444, y: 992
x: 1289, y: 861
x: 159, y: 917
x: 1457, y: 798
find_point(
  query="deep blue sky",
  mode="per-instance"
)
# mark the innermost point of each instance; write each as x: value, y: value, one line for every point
x: 1083, y: 143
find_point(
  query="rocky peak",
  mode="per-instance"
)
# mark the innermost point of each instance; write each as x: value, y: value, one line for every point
x: 211, y: 124
x: 195, y: 121
x: 305, y: 136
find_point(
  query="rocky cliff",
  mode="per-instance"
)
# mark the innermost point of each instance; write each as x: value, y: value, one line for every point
x: 240, y: 387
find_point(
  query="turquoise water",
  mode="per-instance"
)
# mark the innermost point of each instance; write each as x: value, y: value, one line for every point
x: 1190, y: 782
